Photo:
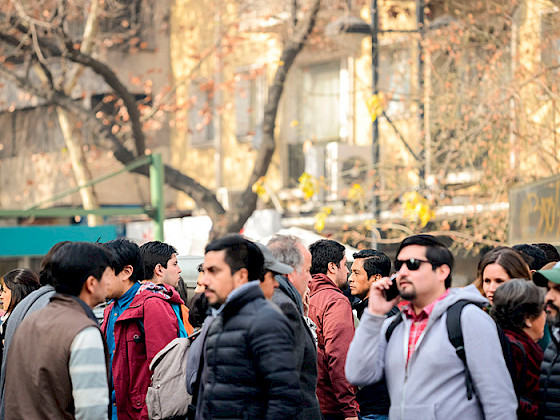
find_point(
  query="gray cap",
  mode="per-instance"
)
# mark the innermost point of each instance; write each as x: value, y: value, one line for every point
x: 271, y: 263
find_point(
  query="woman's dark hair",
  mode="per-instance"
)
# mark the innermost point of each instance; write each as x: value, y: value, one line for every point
x: 509, y: 259
x: 516, y: 300
x: 21, y: 282
x: 182, y: 290
x: 198, y: 310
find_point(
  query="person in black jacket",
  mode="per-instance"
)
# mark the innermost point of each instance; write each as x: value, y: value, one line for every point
x: 370, y: 265
x: 550, y: 367
x: 245, y: 350
x: 289, y: 297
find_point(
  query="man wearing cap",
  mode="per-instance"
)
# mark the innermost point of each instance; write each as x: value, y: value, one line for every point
x: 289, y: 250
x: 549, y: 277
x: 245, y: 350
x: 424, y: 374
x: 271, y: 268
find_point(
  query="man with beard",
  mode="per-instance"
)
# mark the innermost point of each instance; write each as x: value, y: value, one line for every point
x: 424, y: 374
x: 242, y: 365
x: 549, y: 277
x: 330, y: 310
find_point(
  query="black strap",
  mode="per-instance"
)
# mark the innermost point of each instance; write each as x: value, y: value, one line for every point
x: 455, y: 333
x: 398, y: 319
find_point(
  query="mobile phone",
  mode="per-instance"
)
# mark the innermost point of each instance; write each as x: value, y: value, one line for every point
x: 393, y: 291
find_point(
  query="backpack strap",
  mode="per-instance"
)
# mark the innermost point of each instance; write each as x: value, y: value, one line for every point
x: 455, y: 334
x: 398, y: 319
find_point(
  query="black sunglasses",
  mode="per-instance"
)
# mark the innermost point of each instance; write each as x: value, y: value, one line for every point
x: 412, y: 264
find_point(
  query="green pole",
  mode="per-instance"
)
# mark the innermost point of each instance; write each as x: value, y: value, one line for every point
x: 156, y: 192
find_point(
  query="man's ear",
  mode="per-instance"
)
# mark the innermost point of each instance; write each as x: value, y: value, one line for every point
x: 443, y: 271
x: 374, y: 278
x: 159, y: 270
x: 89, y: 286
x: 331, y: 267
x: 240, y: 277
x: 127, y: 270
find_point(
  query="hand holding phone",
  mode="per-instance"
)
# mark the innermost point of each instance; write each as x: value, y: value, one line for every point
x: 393, y: 291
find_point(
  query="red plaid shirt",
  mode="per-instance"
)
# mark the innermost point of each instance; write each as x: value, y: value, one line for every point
x: 419, y: 322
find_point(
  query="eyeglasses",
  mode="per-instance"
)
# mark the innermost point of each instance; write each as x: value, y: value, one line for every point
x: 412, y: 264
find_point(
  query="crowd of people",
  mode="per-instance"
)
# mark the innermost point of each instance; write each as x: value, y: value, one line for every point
x: 282, y: 331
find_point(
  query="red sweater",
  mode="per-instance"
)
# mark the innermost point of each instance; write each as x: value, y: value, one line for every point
x: 331, y: 311
x: 529, y: 366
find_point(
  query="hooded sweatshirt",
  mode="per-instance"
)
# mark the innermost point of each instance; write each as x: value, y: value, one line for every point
x: 141, y: 331
x: 36, y: 300
x: 432, y: 385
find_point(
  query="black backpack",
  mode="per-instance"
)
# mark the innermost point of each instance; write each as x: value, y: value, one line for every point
x: 455, y: 334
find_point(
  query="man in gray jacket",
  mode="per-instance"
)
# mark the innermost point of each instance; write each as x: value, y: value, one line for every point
x: 288, y: 296
x: 424, y: 375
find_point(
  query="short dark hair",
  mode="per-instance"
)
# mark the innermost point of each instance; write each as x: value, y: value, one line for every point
x: 240, y: 253
x: 375, y: 262
x: 436, y: 252
x: 21, y: 282
x: 323, y: 252
x: 45, y: 275
x: 73, y: 263
x: 552, y: 254
x: 533, y: 255
x: 154, y: 253
x: 126, y: 253
x: 514, y: 301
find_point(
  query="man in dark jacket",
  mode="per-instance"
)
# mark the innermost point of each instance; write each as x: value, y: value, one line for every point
x: 289, y: 250
x: 330, y: 310
x: 63, y: 342
x: 370, y: 265
x: 550, y: 367
x: 253, y: 376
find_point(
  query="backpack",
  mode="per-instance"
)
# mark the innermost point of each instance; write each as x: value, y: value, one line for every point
x: 167, y: 395
x: 455, y: 334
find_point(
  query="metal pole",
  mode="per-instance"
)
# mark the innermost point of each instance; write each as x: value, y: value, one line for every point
x: 420, y: 4
x: 375, y: 124
x: 156, y: 193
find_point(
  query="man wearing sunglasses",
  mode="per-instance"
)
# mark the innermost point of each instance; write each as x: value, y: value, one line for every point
x: 424, y: 374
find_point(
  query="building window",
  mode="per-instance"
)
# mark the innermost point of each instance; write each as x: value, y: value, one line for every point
x: 550, y: 42
x: 250, y: 88
x: 200, y: 116
x: 319, y: 103
x: 395, y: 80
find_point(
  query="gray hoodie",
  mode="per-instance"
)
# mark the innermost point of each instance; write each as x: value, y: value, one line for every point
x: 36, y: 300
x: 432, y: 386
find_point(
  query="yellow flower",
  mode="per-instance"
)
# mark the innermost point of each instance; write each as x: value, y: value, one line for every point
x: 307, y: 184
x: 374, y: 105
x: 417, y: 208
x: 259, y: 188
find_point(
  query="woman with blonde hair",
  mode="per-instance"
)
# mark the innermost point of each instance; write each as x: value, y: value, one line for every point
x: 498, y: 266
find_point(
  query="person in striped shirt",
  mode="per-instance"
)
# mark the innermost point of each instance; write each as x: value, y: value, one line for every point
x: 57, y: 363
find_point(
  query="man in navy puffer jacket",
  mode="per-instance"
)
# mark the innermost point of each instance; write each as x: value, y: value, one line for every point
x: 247, y: 368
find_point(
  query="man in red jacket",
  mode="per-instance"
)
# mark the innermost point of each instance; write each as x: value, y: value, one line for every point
x: 140, y: 321
x: 330, y: 310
